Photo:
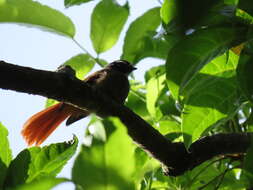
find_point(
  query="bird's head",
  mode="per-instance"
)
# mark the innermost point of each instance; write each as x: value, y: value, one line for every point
x: 122, y: 66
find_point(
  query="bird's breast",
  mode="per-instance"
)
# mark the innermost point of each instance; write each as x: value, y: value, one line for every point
x: 114, y: 85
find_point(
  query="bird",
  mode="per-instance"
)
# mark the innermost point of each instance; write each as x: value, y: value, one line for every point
x: 112, y: 80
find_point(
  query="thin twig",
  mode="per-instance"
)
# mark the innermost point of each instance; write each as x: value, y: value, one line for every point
x: 87, y: 52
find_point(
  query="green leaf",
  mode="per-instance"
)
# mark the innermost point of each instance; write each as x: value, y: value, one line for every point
x: 168, y: 126
x: 107, y: 21
x: 244, y: 74
x: 5, y: 153
x: 247, y: 172
x: 111, y: 163
x: 155, y: 71
x: 153, y: 46
x: 168, y: 10
x: 246, y: 5
x: 137, y: 100
x: 69, y: 3
x: 211, y: 98
x: 36, y: 163
x: 154, y: 88
x: 246, y: 18
x: 50, y: 102
x: 186, y: 58
x: 188, y: 14
x: 82, y: 64
x: 138, y: 32
x: 42, y: 184
x: 35, y: 14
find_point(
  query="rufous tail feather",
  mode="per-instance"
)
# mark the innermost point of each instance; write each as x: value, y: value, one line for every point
x: 38, y: 127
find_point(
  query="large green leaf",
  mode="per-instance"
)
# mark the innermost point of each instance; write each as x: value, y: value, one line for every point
x: 107, y: 21
x: 189, y: 55
x: 33, y: 13
x: 82, y: 64
x: 42, y: 184
x: 5, y: 153
x: 210, y: 97
x: 107, y: 165
x: 138, y: 32
x: 36, y: 163
x: 69, y: 3
x: 153, y: 46
x: 244, y: 74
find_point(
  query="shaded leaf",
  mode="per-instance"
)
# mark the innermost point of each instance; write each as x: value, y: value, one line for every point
x: 137, y: 100
x: 237, y: 49
x: 247, y: 172
x: 36, y: 163
x: 211, y: 98
x: 185, y: 59
x: 111, y: 162
x: 138, y: 32
x: 5, y: 153
x: 246, y: 5
x: 244, y: 74
x: 189, y: 14
x: 69, y: 3
x: 107, y: 21
x: 35, y: 14
x: 244, y: 16
x: 42, y: 184
x: 82, y: 64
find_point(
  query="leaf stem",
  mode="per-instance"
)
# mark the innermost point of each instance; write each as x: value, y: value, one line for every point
x: 86, y: 51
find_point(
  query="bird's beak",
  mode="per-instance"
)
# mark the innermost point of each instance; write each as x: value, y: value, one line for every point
x: 134, y: 68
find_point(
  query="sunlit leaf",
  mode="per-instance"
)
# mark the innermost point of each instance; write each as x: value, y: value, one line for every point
x: 82, y: 64
x: 111, y: 162
x: 186, y: 58
x: 155, y: 47
x: 137, y: 33
x: 36, y: 163
x: 35, y: 14
x: 5, y: 153
x: 154, y: 87
x: 69, y: 3
x: 107, y: 21
x: 210, y: 97
x: 168, y: 11
x: 50, y: 102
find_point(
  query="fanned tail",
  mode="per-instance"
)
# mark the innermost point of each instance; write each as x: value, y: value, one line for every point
x: 38, y: 127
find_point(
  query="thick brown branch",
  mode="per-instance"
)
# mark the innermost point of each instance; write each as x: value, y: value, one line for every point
x: 63, y: 86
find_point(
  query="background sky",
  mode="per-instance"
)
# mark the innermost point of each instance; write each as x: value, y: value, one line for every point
x: 29, y: 46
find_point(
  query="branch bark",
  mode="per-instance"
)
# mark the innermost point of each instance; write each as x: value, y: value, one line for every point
x: 64, y: 86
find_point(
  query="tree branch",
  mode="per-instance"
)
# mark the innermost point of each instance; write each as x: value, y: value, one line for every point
x: 64, y: 86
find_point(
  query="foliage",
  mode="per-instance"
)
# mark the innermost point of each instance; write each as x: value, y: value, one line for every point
x: 202, y: 87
